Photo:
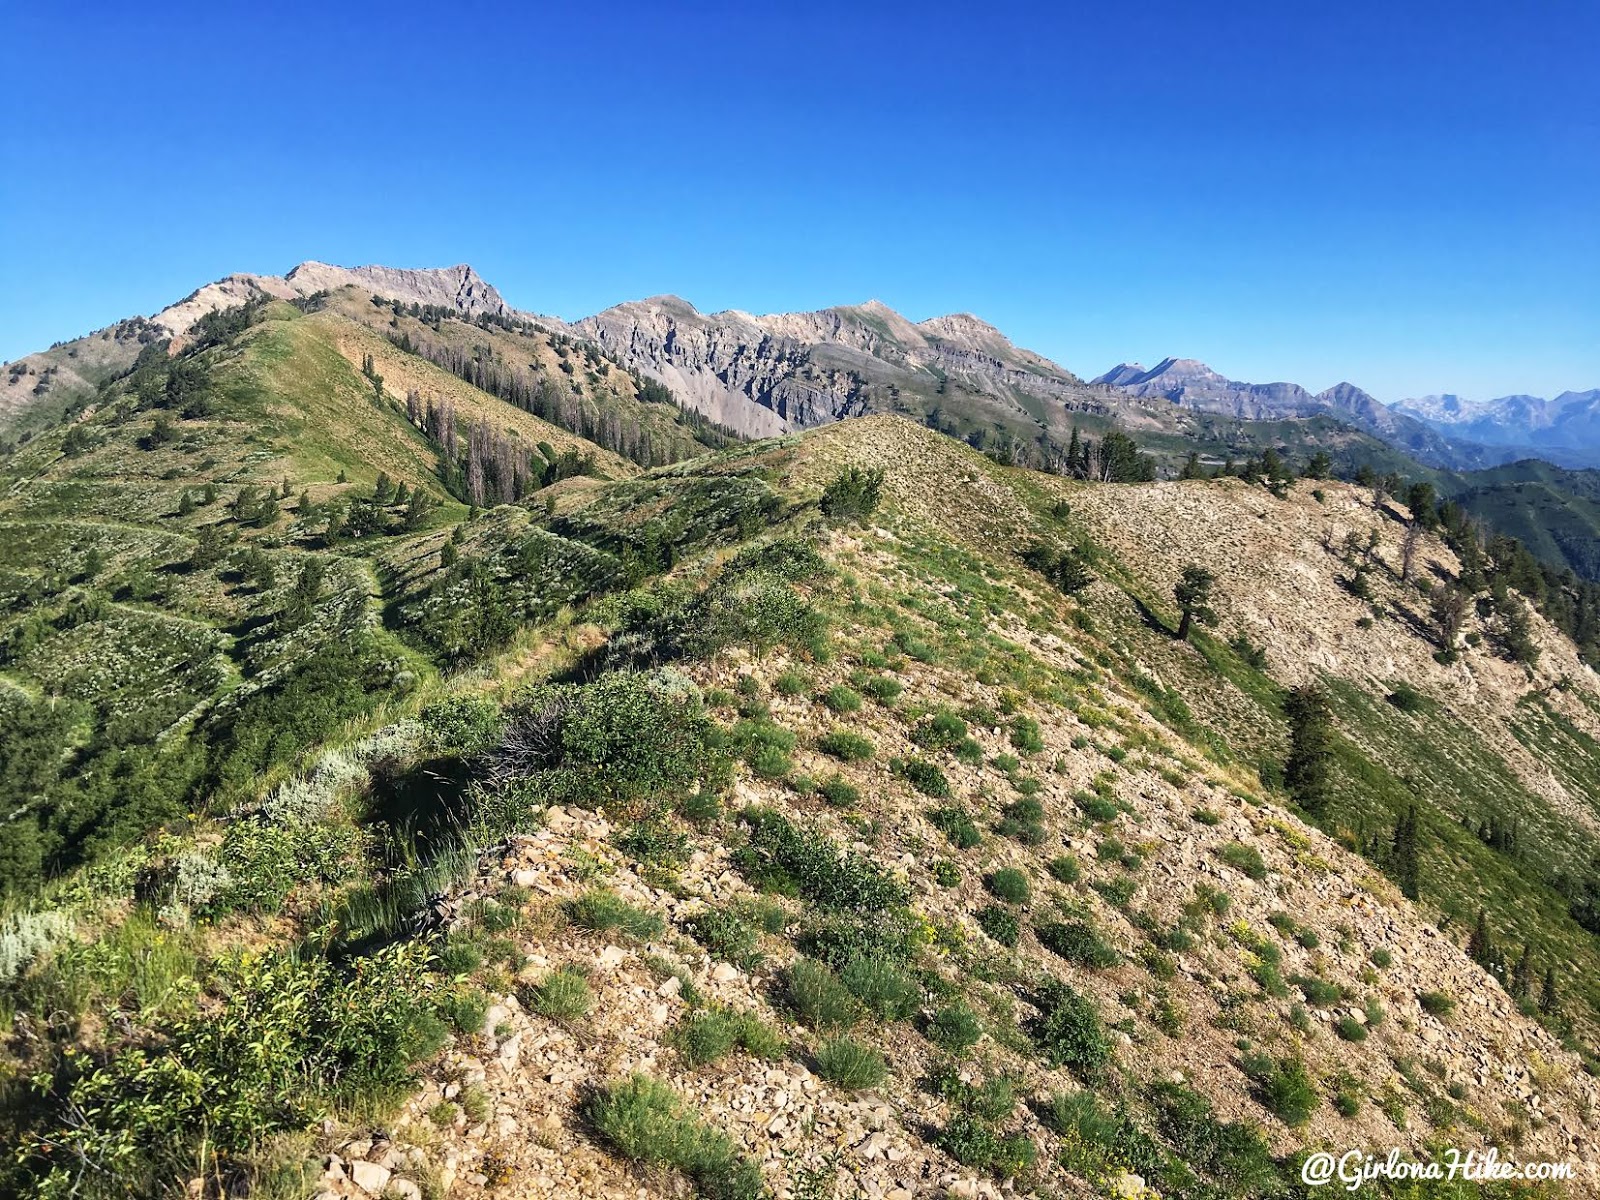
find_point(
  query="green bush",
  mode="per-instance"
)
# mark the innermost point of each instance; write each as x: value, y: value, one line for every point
x: 845, y: 746
x: 883, y: 989
x: 883, y: 688
x: 1382, y: 958
x: 562, y: 995
x: 841, y: 699
x: 1008, y: 884
x: 1001, y: 924
x: 975, y: 1143
x: 1026, y: 736
x: 945, y: 873
x: 840, y: 792
x: 1078, y: 943
x: 1350, y: 1029
x: 644, y: 1120
x: 1207, y: 816
x: 1318, y: 991
x: 704, y: 1037
x: 288, y: 1037
x: 925, y: 776
x: 604, y: 911
x: 942, y: 731
x: 1283, y: 1087
x: 952, y: 821
x: 849, y: 1064
x: 1233, y: 1154
x: 781, y: 856
x: 1068, y: 1032
x: 619, y: 740
x: 1243, y: 858
x: 1023, y: 820
x: 465, y: 1009
x: 789, y: 683
x: 816, y: 996
x: 1437, y: 1004
x: 1064, y: 869
x: 462, y: 725
x: 728, y: 936
x: 853, y: 495
x: 955, y: 1027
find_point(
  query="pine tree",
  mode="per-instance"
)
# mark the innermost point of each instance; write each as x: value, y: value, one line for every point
x: 1480, y: 948
x: 185, y: 503
x: 1193, y: 593
x: 1549, y: 1002
x: 1192, y: 468
x: 1522, y: 975
x: 1403, y: 857
x: 1306, y: 772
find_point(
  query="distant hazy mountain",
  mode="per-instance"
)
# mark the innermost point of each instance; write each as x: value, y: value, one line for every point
x: 1570, y: 422
x: 1191, y: 384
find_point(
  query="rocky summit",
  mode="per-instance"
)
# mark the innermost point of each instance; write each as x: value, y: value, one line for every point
x: 452, y: 752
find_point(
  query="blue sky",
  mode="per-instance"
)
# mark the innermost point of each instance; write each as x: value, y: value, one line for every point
x: 1407, y: 199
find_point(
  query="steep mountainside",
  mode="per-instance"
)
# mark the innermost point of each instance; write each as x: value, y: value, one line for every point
x: 753, y: 822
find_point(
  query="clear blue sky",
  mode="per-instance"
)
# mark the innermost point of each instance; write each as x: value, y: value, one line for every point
x: 1404, y: 194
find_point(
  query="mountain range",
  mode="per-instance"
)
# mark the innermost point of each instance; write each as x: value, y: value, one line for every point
x: 760, y: 375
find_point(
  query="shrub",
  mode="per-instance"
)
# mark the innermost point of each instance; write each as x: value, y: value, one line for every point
x: 620, y: 740
x: 1243, y: 858
x: 1026, y: 736
x: 945, y: 873
x: 704, y: 1037
x: 604, y: 911
x: 884, y: 990
x: 853, y: 495
x: 883, y: 689
x: 839, y: 792
x: 845, y: 746
x: 841, y: 699
x: 1078, y: 943
x: 1350, y: 1029
x: 952, y: 821
x: 1206, y: 816
x: 942, y: 731
x: 643, y: 1119
x: 1283, y: 1087
x: 1437, y: 1004
x: 790, y: 683
x: 925, y: 776
x: 1232, y: 1153
x: 817, y: 997
x: 1024, y: 820
x: 1318, y: 991
x: 975, y: 1143
x: 999, y: 923
x: 1407, y: 699
x: 1382, y: 958
x: 1064, y: 869
x: 1067, y: 1030
x: 780, y: 855
x: 563, y: 995
x: 465, y: 1009
x: 955, y: 1027
x: 1009, y: 884
x: 727, y: 935
x: 462, y: 725
x: 849, y: 1064
x: 289, y: 1037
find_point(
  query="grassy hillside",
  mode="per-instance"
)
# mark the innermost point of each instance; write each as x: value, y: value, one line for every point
x: 754, y: 822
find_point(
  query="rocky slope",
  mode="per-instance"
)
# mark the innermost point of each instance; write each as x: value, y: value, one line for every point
x: 765, y: 374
